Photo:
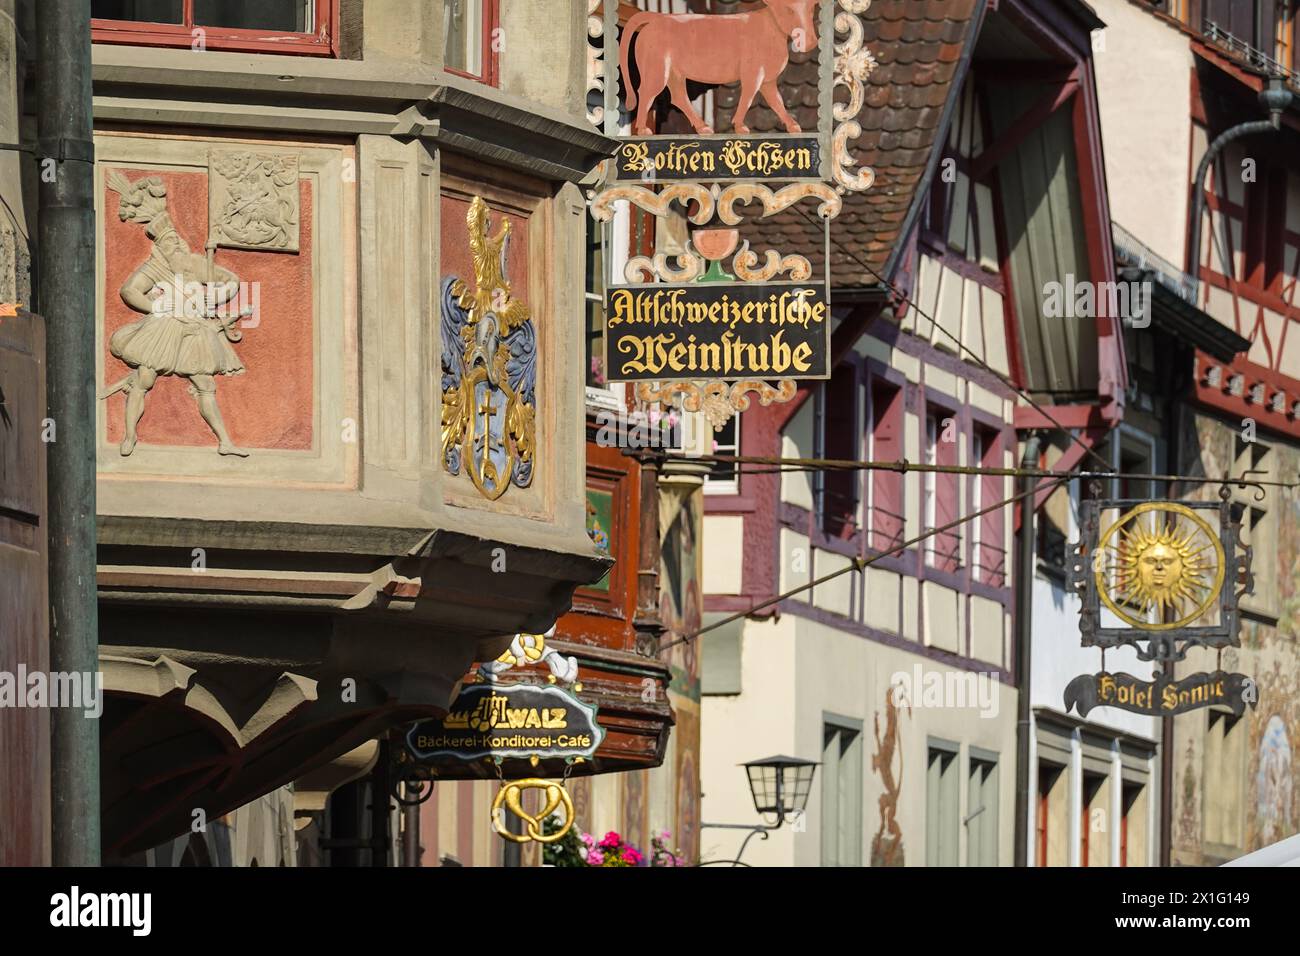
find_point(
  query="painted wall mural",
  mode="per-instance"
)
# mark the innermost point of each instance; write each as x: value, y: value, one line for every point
x: 1268, y: 650
x: 887, y: 844
x: 1273, y: 783
x: 600, y: 523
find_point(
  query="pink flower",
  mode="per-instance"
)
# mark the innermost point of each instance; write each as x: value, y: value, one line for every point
x: 612, y: 839
x: 588, y: 839
x: 631, y: 855
x: 594, y: 858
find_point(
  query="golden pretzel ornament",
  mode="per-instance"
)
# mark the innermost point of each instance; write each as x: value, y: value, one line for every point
x: 509, y: 797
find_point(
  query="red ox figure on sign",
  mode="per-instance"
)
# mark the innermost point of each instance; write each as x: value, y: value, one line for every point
x: 751, y: 49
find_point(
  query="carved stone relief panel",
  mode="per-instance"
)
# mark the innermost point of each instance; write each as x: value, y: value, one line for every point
x: 253, y: 199
x: 223, y: 277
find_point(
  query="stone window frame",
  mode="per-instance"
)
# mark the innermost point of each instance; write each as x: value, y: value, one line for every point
x: 323, y: 40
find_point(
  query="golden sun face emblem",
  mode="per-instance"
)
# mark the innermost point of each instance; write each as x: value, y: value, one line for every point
x: 1160, y: 566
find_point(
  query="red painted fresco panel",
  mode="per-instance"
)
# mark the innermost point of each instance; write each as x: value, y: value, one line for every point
x: 271, y: 404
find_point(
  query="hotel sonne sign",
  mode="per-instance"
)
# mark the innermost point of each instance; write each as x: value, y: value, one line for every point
x: 1161, y: 697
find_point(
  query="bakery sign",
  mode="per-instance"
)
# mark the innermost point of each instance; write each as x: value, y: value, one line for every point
x: 519, y: 721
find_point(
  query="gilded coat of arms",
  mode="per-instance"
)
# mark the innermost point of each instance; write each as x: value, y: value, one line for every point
x: 489, y: 368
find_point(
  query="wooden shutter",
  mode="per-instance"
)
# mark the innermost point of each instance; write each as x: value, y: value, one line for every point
x: 886, y: 486
x: 992, y: 557
x: 947, y: 493
x: 841, y: 442
x: 24, y: 606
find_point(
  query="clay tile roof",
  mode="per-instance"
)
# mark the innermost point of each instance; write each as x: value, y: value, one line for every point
x: 917, y: 45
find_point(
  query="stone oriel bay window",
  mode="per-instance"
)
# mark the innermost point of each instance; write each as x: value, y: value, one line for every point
x: 252, y: 26
x: 289, y: 567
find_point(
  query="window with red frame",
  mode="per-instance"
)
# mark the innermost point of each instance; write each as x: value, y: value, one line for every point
x: 941, y: 490
x: 988, y: 531
x: 472, y: 39
x: 837, y: 498
x: 280, y: 26
x: 886, y: 445
x: 1269, y: 246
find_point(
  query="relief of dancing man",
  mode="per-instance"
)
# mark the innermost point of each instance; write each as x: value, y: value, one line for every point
x: 175, y: 337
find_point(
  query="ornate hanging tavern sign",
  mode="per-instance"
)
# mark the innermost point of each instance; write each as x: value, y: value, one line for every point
x: 1162, y: 577
x: 723, y: 320
x: 509, y: 728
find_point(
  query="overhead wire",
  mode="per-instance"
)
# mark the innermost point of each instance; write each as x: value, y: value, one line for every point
x: 860, y: 563
x: 1055, y: 479
x: 976, y: 359
x: 903, y: 466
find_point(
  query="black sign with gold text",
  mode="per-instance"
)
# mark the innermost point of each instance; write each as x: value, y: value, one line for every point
x: 1161, y: 697
x: 515, y: 721
x: 717, y: 330
x: 775, y: 158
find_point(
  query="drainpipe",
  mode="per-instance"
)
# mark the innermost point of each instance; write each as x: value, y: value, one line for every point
x: 1175, y: 406
x: 65, y: 263
x: 1024, y: 586
x: 1275, y: 98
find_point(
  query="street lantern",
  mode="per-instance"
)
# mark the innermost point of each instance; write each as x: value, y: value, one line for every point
x: 780, y: 785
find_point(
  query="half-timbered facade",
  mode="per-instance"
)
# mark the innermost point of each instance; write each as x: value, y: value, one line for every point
x: 981, y: 125
x: 1219, y: 79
